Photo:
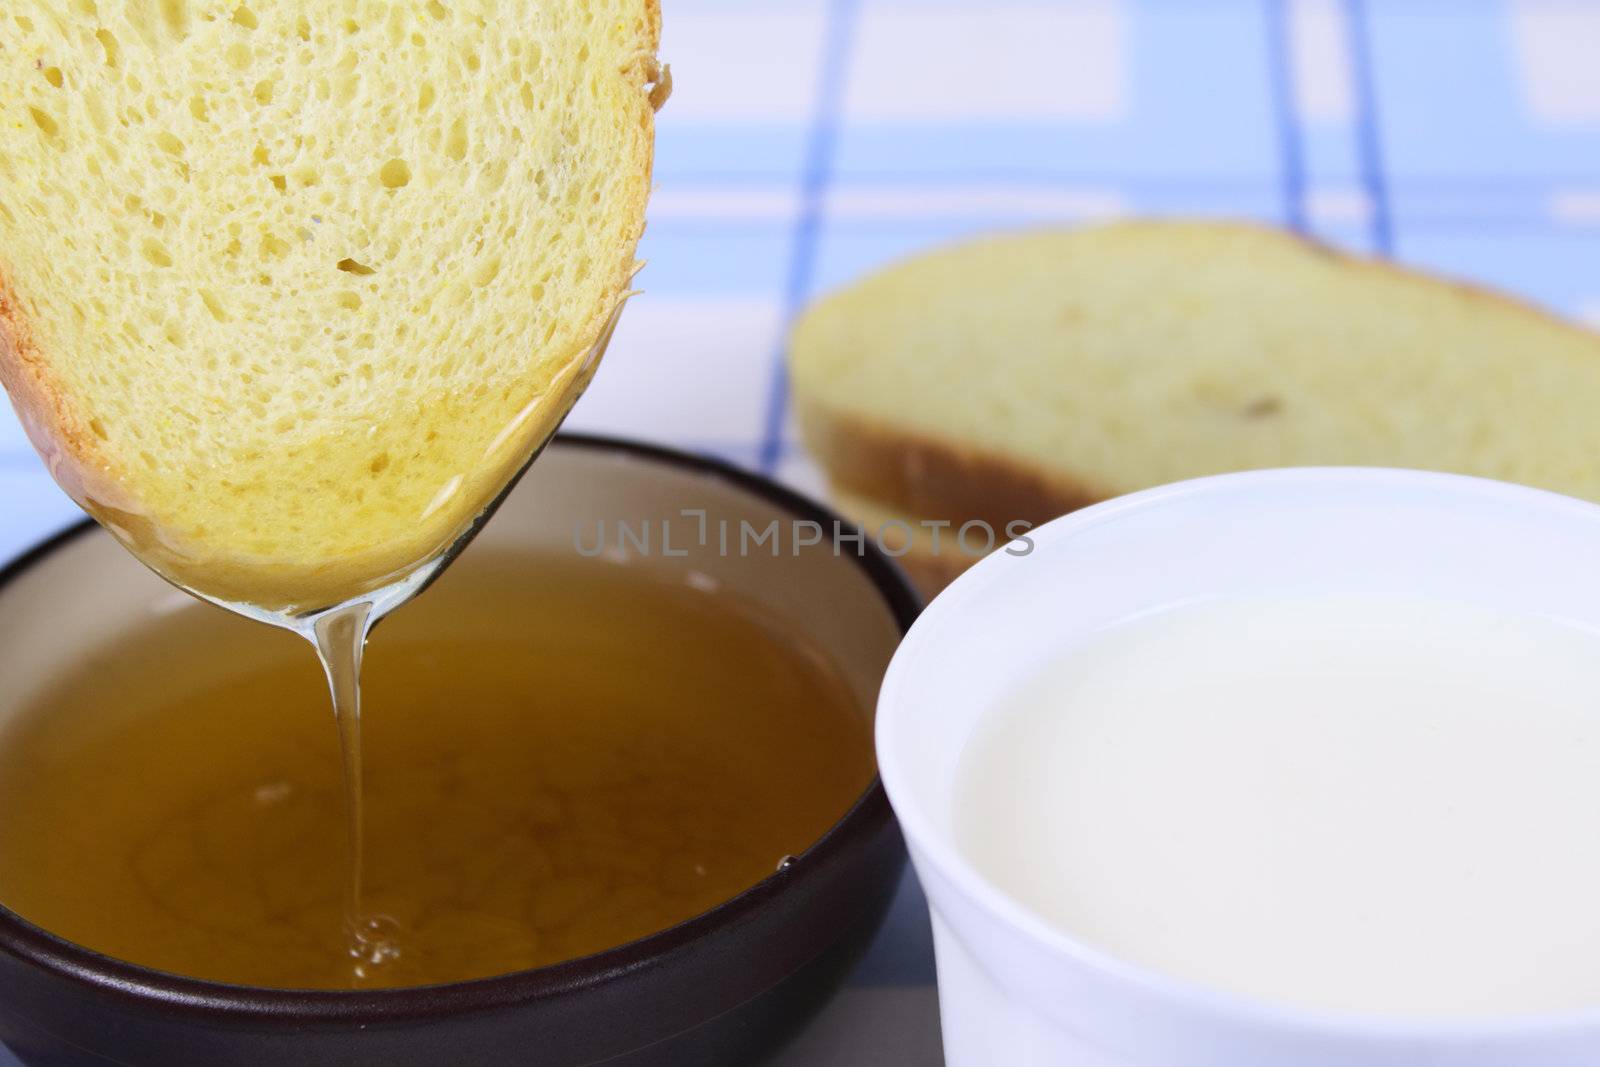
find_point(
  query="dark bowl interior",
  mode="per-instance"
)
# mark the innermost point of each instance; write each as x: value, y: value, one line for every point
x: 722, y: 988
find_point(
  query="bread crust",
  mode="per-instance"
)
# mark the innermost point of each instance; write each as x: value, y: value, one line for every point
x: 62, y: 438
x: 930, y: 478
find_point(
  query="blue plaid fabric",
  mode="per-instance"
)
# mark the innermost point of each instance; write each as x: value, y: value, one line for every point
x: 810, y: 141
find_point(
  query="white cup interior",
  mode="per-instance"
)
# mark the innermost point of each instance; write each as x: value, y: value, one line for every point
x: 1004, y: 971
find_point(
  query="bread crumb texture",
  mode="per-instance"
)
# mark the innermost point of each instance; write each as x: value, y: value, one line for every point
x: 1112, y: 359
x: 298, y: 285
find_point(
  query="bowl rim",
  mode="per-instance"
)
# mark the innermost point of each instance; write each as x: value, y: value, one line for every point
x: 215, y: 1001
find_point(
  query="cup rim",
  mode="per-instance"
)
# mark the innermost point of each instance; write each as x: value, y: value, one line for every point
x: 204, y: 998
x: 936, y: 849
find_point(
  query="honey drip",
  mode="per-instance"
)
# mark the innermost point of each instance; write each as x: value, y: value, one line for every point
x: 340, y: 638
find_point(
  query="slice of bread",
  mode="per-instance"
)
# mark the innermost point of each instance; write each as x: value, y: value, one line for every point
x: 289, y: 291
x: 1019, y: 377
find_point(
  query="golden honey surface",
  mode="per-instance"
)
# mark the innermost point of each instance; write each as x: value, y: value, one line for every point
x: 561, y: 755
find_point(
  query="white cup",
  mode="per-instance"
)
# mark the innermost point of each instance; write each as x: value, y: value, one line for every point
x: 1017, y: 992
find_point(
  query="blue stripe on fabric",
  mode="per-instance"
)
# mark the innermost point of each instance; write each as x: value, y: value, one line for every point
x: 814, y: 180
x: 1369, y: 140
x: 1291, y: 151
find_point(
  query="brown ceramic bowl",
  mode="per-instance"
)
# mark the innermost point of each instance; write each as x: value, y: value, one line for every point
x: 722, y: 988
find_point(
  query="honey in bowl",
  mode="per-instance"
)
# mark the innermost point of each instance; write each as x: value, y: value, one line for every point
x: 562, y: 755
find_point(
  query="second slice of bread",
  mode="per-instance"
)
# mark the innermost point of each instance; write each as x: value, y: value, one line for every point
x: 1019, y: 377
